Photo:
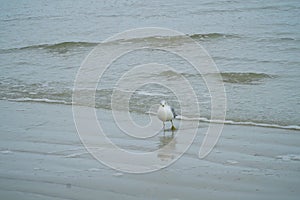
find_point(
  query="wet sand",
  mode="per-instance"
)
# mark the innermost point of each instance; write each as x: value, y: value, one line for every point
x: 41, y: 157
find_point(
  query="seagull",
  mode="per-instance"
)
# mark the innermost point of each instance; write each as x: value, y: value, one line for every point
x: 166, y: 113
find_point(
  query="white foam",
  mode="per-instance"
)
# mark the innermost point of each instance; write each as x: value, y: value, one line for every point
x: 230, y: 122
x: 150, y: 93
x: 75, y: 155
x: 6, y: 152
x: 289, y: 157
x: 94, y: 169
x: 232, y: 162
x: 43, y: 100
x: 118, y: 174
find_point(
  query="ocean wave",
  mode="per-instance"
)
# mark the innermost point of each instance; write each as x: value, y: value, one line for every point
x: 227, y: 77
x: 212, y: 36
x: 42, y: 100
x: 245, y: 78
x: 289, y: 157
x: 243, y: 123
x: 232, y: 122
x: 59, y: 47
x: 150, y: 93
x: 69, y: 45
x: 283, y: 40
x: 179, y: 117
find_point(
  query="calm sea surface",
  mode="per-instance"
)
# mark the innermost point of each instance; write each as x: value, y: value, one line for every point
x: 255, y: 44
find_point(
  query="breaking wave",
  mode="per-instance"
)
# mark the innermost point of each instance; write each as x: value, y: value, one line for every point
x: 228, y: 77
x: 69, y: 45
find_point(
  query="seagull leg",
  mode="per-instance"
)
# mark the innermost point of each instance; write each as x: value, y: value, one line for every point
x: 164, y: 128
x: 173, y: 127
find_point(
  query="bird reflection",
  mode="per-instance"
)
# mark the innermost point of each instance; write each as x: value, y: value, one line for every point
x: 167, y: 147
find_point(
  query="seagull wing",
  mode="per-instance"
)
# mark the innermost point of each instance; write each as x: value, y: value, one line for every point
x: 173, y: 111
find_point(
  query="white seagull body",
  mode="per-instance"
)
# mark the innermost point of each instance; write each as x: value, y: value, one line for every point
x: 166, y: 113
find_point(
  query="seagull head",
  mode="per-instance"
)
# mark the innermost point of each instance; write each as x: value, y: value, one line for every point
x: 163, y: 103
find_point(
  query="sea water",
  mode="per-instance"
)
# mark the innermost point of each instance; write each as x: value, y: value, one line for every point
x: 255, y: 45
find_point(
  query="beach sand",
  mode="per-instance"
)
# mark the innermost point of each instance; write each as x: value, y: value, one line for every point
x: 42, y: 157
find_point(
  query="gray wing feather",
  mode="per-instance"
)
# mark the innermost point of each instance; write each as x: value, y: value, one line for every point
x: 173, y: 111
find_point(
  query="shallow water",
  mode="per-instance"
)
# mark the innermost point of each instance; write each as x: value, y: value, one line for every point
x: 254, y: 44
x: 42, y: 157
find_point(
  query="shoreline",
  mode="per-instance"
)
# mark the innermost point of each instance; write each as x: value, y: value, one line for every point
x: 42, y: 158
x: 200, y: 119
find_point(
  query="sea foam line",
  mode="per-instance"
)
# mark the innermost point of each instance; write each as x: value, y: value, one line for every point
x: 231, y: 122
x: 245, y: 123
x: 43, y: 100
x: 201, y: 119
